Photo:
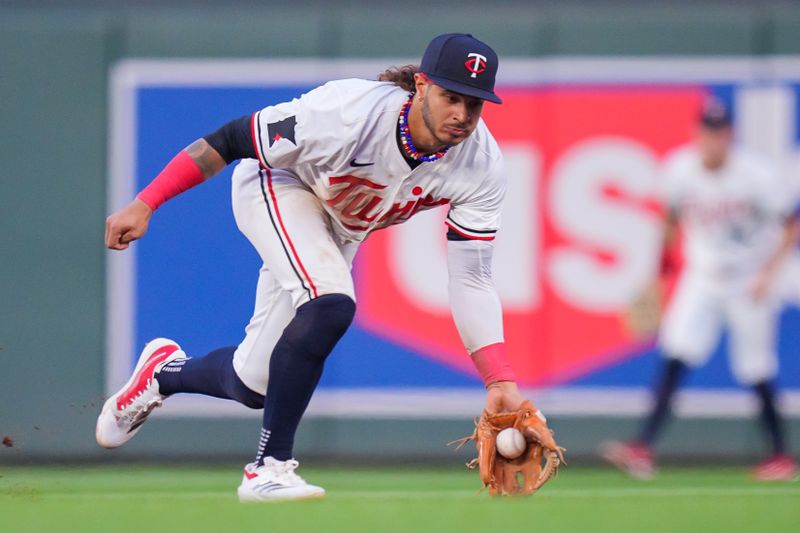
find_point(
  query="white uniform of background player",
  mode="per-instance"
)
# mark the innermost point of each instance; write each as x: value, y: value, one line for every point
x: 732, y: 221
x: 738, y: 226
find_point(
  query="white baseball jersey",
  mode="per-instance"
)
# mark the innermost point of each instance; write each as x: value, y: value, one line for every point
x: 329, y: 172
x: 340, y: 141
x: 732, y: 220
x: 732, y: 217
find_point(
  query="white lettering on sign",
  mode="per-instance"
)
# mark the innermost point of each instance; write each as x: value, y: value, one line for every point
x: 765, y: 121
x: 612, y: 242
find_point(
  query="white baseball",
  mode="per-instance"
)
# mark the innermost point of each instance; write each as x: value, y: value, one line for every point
x: 510, y: 443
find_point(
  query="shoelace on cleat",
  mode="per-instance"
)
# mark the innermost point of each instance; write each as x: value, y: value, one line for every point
x: 284, y: 472
x: 139, y: 407
x: 138, y: 418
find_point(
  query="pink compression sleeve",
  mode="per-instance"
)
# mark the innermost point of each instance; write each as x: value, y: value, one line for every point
x: 180, y: 174
x: 492, y: 363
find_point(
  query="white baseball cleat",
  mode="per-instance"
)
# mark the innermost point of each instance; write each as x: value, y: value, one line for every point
x: 275, y: 481
x: 126, y: 410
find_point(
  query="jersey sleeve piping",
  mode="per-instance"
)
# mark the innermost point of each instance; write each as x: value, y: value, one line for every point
x: 472, y: 234
x: 255, y: 127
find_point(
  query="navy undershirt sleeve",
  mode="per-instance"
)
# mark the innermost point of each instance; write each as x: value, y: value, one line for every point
x: 233, y: 140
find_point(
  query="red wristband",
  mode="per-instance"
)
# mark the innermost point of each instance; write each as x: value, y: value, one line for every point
x: 180, y: 174
x: 492, y: 363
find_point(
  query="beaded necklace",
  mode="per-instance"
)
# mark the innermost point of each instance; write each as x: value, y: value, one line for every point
x: 405, y: 137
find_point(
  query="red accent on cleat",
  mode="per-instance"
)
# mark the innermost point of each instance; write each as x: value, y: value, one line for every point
x: 781, y: 467
x: 250, y: 475
x: 145, y: 375
x: 634, y: 458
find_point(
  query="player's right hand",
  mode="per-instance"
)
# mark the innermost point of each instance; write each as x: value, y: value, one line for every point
x: 127, y: 225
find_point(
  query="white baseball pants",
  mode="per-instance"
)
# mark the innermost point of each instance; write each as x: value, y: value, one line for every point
x: 302, y: 259
x: 700, y: 309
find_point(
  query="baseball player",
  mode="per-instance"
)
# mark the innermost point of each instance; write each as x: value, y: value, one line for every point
x: 316, y: 176
x: 738, y: 226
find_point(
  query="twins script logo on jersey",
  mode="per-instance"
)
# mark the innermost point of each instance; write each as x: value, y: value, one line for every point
x: 721, y: 212
x: 358, y: 202
x: 475, y: 64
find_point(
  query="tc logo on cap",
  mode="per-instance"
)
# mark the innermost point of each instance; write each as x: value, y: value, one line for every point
x: 475, y: 64
x: 446, y: 57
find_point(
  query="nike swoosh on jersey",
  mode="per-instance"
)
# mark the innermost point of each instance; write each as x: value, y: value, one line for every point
x: 353, y: 163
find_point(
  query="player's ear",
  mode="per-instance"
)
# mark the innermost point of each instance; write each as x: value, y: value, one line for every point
x: 421, y: 82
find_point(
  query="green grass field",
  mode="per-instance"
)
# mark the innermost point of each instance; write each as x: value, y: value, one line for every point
x: 170, y: 499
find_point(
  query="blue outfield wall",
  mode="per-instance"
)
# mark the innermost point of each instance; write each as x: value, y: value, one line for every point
x: 196, y: 274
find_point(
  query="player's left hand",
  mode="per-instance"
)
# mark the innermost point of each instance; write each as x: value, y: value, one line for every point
x: 526, y: 473
x: 503, y: 396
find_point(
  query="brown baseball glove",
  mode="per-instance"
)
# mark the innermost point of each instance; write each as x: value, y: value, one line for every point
x: 528, y: 472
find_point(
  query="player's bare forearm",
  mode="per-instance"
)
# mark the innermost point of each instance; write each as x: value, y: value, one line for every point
x: 206, y: 157
x: 642, y: 316
x: 130, y: 222
x: 190, y: 167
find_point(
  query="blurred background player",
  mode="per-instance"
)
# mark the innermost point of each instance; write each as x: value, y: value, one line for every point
x: 318, y: 175
x: 737, y: 226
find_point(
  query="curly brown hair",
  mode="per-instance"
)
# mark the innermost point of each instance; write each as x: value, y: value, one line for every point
x: 403, y: 76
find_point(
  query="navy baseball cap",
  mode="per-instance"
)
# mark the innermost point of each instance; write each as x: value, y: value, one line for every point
x: 461, y: 63
x: 715, y: 114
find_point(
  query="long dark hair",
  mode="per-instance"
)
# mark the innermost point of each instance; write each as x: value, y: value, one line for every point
x: 403, y: 76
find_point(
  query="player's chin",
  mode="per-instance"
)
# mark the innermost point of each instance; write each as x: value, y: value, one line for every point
x: 452, y: 136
